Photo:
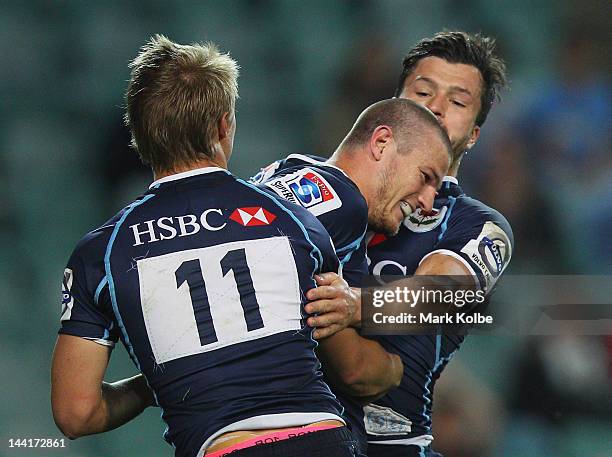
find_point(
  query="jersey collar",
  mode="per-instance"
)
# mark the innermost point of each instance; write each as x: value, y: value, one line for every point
x: 186, y: 174
x: 450, y: 187
x: 323, y: 163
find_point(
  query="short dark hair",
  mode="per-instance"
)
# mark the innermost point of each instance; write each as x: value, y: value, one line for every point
x: 405, y: 117
x: 465, y: 48
x: 175, y: 98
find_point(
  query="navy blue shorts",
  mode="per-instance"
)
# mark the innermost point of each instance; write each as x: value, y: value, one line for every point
x: 335, y: 442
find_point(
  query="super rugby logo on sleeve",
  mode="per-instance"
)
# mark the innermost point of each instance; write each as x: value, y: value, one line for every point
x: 490, y: 252
x: 67, y: 299
x: 307, y: 188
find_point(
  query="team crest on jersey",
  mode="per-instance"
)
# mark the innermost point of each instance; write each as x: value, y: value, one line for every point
x: 252, y: 216
x: 420, y: 221
x: 490, y: 252
x: 67, y: 298
x: 307, y: 188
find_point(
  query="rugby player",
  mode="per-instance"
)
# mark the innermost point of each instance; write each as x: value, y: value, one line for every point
x: 188, y: 277
x: 457, y: 76
x: 390, y: 163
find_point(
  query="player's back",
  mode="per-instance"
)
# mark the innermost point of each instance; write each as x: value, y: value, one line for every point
x: 206, y: 279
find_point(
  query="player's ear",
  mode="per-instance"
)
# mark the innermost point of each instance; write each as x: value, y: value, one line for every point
x: 473, y: 137
x: 224, y: 126
x: 381, y: 138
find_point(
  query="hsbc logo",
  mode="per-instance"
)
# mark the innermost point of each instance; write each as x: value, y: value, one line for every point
x: 167, y: 228
x: 212, y: 220
x: 252, y: 216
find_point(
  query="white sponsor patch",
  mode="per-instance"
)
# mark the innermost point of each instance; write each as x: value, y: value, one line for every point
x: 490, y: 252
x: 67, y: 298
x: 307, y: 188
x: 206, y: 290
x: 420, y: 222
x: 380, y: 420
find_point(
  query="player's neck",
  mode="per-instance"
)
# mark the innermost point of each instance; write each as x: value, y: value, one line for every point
x: 203, y: 163
x: 453, y: 170
x: 359, y: 174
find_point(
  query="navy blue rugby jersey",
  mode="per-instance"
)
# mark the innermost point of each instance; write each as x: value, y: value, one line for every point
x: 476, y: 235
x: 328, y: 193
x: 204, y: 278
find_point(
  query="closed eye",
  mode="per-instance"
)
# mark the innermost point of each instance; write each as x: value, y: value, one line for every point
x: 457, y: 103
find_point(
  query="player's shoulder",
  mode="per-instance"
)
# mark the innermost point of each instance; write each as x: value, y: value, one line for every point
x: 96, y: 240
x: 482, y: 236
x: 296, y: 212
x: 305, y: 221
x: 319, y: 187
x: 469, y: 211
x: 278, y: 166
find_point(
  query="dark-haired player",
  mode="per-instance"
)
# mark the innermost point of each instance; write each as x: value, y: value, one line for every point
x: 457, y: 76
x: 204, y: 280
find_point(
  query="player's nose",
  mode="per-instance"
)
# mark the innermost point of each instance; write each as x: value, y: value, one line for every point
x: 426, y: 198
x: 437, y: 105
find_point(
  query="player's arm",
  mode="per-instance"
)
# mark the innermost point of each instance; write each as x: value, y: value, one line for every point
x: 475, y: 249
x: 82, y: 403
x: 443, y: 265
x: 358, y: 366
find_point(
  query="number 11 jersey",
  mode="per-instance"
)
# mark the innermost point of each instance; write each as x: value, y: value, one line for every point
x: 204, y: 278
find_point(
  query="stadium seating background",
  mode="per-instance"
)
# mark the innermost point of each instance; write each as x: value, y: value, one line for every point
x: 308, y: 69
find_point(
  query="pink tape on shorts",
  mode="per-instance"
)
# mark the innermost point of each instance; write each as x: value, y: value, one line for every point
x: 270, y: 438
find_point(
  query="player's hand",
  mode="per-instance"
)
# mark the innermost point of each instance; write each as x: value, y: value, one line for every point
x: 333, y: 303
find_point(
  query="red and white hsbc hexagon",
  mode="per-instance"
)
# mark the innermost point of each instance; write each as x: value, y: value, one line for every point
x: 252, y: 216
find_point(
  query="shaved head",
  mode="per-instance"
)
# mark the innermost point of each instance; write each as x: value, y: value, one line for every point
x: 407, y: 120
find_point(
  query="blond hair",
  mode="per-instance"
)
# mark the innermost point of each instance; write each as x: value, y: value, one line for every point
x: 176, y: 96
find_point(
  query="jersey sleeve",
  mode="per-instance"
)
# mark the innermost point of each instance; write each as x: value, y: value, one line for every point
x: 481, y: 238
x: 321, y: 241
x: 336, y: 202
x: 86, y: 309
x: 353, y: 263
